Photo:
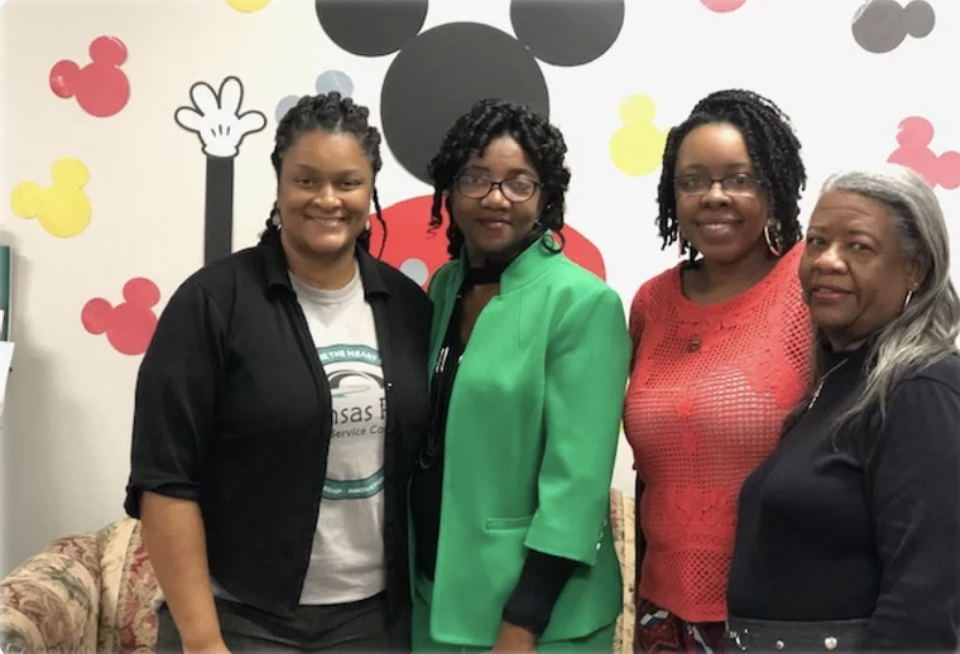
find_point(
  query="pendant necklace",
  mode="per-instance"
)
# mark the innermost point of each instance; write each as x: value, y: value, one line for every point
x: 816, y: 393
x: 695, y: 342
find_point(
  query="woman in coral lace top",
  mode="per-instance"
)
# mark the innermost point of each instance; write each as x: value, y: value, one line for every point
x: 721, y: 355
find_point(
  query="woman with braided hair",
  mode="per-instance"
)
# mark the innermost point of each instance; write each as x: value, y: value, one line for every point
x: 278, y: 410
x: 720, y: 356
x: 529, y: 351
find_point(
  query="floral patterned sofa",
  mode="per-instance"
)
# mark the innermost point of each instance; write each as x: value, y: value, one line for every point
x: 93, y: 593
x: 85, y: 593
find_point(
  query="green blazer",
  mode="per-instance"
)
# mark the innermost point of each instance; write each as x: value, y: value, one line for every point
x: 531, y: 439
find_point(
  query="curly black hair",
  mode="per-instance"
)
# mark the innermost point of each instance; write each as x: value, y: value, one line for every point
x: 487, y: 120
x: 773, y: 148
x: 334, y: 114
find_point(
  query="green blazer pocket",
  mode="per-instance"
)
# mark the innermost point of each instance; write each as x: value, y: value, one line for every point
x: 503, y: 524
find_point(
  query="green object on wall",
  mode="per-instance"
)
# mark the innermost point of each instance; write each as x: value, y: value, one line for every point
x: 5, y: 263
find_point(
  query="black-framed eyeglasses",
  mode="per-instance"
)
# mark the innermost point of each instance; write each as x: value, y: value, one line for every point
x: 738, y: 184
x: 514, y: 189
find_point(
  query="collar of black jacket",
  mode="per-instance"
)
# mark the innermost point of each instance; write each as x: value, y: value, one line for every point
x: 278, y: 276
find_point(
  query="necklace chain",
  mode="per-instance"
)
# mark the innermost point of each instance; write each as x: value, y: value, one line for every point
x: 694, y: 343
x: 816, y: 393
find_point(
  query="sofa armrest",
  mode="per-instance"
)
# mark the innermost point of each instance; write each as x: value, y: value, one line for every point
x: 129, y: 590
x: 51, y: 601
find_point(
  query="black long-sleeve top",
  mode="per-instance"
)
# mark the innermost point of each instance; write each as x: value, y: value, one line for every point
x: 861, y: 523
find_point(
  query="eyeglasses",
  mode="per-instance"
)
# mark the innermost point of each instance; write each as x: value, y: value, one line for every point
x: 739, y: 184
x: 515, y: 189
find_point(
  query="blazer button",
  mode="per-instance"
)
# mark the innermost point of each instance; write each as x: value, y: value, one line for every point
x: 779, y: 644
x: 830, y: 643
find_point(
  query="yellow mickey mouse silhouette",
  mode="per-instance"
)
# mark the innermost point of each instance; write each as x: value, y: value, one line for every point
x: 248, y: 6
x: 637, y: 147
x: 63, y: 208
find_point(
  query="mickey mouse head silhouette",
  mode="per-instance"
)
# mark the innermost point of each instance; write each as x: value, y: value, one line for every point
x: 880, y: 26
x: 101, y: 88
x: 915, y: 137
x: 723, y: 6
x: 438, y: 74
x: 63, y: 208
x: 129, y: 326
x: 637, y: 147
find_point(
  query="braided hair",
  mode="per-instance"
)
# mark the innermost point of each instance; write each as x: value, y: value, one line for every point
x: 488, y: 120
x: 333, y: 114
x: 773, y: 148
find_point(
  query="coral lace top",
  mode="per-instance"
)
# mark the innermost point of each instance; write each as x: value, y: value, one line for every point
x: 709, y: 388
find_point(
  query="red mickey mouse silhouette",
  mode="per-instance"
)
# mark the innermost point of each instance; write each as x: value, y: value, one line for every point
x: 419, y: 253
x: 130, y: 325
x: 915, y: 136
x: 101, y: 88
x: 723, y: 6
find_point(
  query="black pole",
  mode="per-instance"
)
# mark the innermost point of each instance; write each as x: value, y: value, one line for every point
x: 218, y: 213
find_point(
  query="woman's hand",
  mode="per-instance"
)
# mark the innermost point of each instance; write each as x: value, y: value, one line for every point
x: 513, y: 639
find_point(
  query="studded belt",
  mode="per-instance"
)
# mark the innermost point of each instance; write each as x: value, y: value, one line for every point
x: 794, y: 636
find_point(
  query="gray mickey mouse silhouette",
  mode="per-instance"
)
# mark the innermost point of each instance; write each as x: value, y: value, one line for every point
x: 880, y: 26
x: 331, y: 80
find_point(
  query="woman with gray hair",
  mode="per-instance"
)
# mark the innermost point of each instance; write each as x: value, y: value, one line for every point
x: 848, y: 535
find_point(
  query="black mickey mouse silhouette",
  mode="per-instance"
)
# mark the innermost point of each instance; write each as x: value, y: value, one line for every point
x: 438, y: 74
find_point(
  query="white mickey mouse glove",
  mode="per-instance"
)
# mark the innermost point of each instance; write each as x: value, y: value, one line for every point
x: 216, y: 118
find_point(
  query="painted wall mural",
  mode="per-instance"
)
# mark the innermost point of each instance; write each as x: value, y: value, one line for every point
x: 562, y: 34
x: 100, y: 87
x: 62, y: 208
x: 216, y: 120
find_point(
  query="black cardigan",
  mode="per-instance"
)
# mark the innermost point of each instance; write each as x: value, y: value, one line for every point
x: 233, y: 411
x: 864, y: 523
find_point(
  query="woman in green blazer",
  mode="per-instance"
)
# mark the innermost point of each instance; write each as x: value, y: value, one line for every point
x: 512, y: 549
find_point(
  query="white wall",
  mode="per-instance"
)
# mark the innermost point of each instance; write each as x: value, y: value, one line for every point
x: 66, y: 441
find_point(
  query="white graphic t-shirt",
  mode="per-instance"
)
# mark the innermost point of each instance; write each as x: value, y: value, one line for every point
x: 347, y: 562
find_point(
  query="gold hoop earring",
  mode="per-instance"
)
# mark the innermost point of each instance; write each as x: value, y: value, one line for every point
x: 774, y: 245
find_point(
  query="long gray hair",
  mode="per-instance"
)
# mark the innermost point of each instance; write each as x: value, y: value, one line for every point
x: 927, y: 329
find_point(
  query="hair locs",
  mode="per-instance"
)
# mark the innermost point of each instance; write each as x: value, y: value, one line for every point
x: 488, y: 120
x: 772, y: 145
x: 334, y: 114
